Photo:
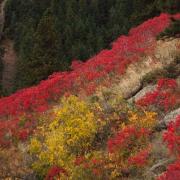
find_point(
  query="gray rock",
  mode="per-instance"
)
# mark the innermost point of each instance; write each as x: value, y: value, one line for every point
x: 158, y: 168
x: 170, y: 117
x: 142, y: 93
x: 30, y: 177
x: 128, y: 83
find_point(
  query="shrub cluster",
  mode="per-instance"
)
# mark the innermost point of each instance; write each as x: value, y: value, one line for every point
x: 172, y: 71
x: 165, y: 96
x: 172, y: 138
x: 85, y: 77
x: 73, y: 142
x: 103, y: 137
x: 68, y: 135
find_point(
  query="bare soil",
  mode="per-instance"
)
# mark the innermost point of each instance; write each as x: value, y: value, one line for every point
x: 9, y: 63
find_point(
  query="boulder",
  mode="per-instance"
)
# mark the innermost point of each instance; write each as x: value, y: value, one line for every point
x: 142, y: 93
x: 170, y: 117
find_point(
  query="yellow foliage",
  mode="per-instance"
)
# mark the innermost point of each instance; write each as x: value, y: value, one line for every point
x: 72, y: 130
x: 35, y: 146
x: 70, y: 133
x: 145, y: 119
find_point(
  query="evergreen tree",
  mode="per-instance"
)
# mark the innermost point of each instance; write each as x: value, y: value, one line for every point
x: 46, y: 48
x: 48, y: 35
x: 168, y: 6
x: 119, y: 18
x: 43, y: 60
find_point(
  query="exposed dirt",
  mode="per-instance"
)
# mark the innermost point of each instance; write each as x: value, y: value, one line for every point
x: 165, y: 53
x: 2, y: 16
x: 9, y: 64
x: 9, y: 58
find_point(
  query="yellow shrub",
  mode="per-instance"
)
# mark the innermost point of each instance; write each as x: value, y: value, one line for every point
x: 145, y: 119
x: 69, y: 134
x: 35, y: 146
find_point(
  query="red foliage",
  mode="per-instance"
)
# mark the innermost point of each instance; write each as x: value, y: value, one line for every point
x: 172, y: 137
x: 79, y: 160
x: 94, y: 165
x: 172, y: 173
x: 76, y: 64
x: 163, y: 96
x: 140, y: 159
x: 96, y: 172
x: 125, y: 138
x: 166, y: 83
x: 55, y: 171
x: 23, y: 134
x: 176, y: 16
x: 85, y: 76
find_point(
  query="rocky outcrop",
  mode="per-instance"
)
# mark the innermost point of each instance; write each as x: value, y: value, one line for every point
x: 156, y: 169
x: 142, y: 93
x: 171, y: 116
x: 147, y: 89
x: 166, y: 52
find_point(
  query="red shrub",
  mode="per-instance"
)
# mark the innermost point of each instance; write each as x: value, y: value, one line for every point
x: 172, y: 137
x: 140, y: 159
x: 176, y: 16
x: 79, y: 160
x: 172, y: 173
x: 166, y: 83
x: 163, y: 96
x: 23, y: 134
x: 86, y: 76
x: 54, y: 172
x: 125, y: 138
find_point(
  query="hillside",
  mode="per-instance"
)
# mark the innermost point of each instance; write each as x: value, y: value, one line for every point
x: 114, y: 116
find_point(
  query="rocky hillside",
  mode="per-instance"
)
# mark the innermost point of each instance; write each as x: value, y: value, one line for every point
x: 166, y: 53
x: 115, y: 116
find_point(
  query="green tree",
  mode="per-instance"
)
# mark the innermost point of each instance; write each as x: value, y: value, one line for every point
x: 168, y: 6
x: 48, y: 35
x: 43, y: 60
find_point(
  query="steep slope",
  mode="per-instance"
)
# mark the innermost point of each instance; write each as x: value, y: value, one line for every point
x: 166, y: 52
x: 9, y: 64
x: 77, y: 124
x: 73, y: 29
x: 88, y: 76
